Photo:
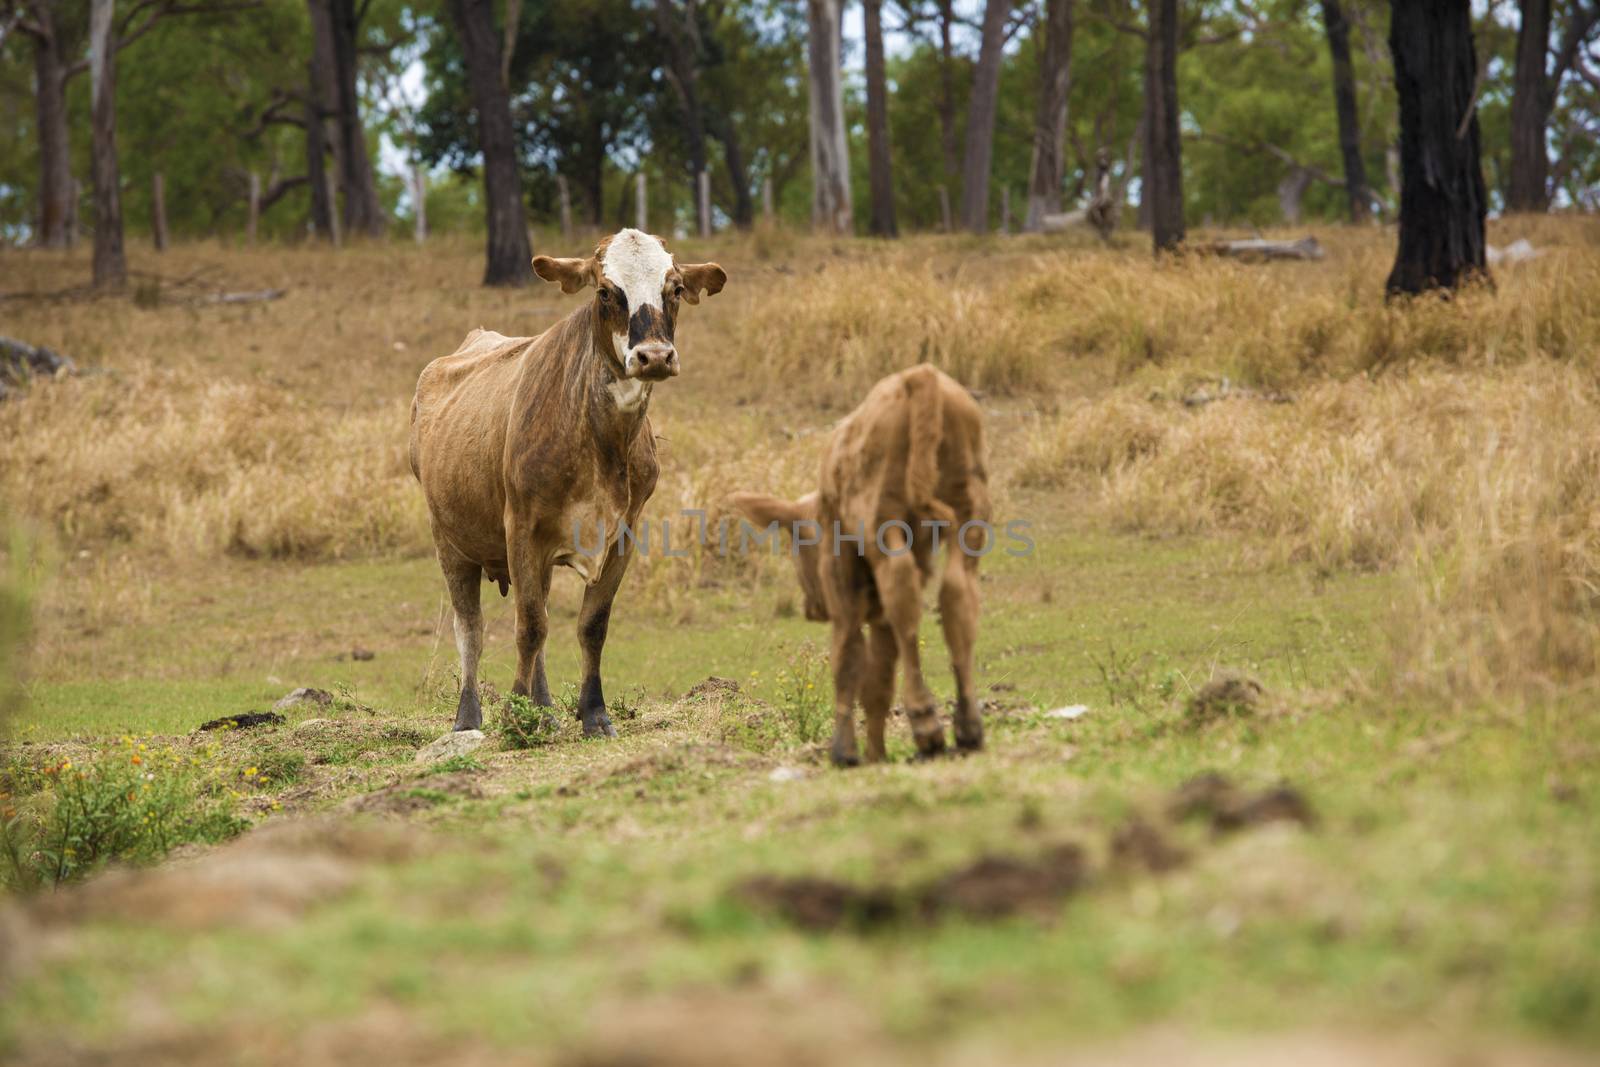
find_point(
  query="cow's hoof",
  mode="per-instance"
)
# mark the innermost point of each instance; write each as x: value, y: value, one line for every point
x: 843, y: 760
x: 599, y: 727
x: 970, y: 744
x: 469, y: 712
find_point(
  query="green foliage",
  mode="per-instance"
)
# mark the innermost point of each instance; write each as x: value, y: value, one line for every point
x: 520, y: 723
x: 130, y: 804
x: 805, y: 695
x: 15, y: 619
x: 456, y: 764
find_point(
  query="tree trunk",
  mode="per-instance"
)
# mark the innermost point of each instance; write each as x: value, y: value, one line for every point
x: 1163, y: 156
x: 1050, y: 115
x: 362, y: 211
x: 733, y: 157
x: 880, y: 172
x: 1530, y: 111
x: 830, y: 159
x: 419, y: 202
x: 947, y: 92
x: 50, y: 110
x: 683, y: 74
x: 1344, y: 99
x: 158, y: 208
x: 110, y: 265
x: 1442, y: 199
x: 316, y: 149
x: 510, y: 261
x: 980, y: 118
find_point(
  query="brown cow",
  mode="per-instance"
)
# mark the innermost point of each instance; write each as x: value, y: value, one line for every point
x: 902, y: 474
x: 532, y: 451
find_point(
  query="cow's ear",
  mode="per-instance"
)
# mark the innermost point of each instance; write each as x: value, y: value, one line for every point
x: 572, y: 274
x: 765, y: 510
x: 698, y: 276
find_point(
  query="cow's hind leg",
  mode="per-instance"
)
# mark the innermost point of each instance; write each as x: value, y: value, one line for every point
x: 464, y: 581
x: 958, y: 615
x: 593, y: 620
x: 900, y: 591
x: 877, y: 687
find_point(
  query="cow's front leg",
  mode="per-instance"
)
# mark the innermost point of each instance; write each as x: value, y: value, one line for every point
x: 594, y: 618
x: 530, y: 587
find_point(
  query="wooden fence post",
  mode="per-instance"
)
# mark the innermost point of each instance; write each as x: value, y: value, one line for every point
x: 766, y: 200
x: 333, y: 208
x: 254, y: 220
x: 72, y: 212
x: 419, y: 201
x: 566, y: 207
x: 158, y: 210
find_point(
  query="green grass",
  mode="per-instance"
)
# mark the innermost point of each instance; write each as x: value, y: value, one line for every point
x: 1447, y: 886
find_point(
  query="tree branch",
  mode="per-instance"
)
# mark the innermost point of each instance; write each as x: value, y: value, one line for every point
x: 1262, y: 149
x: 1580, y: 21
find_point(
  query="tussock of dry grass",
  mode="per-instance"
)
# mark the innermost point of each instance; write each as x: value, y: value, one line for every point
x: 1487, y: 484
x: 195, y: 468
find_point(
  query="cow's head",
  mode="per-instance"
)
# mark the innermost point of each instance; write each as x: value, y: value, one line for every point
x: 763, y: 511
x: 638, y: 286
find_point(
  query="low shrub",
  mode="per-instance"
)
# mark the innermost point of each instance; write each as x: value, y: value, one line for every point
x: 130, y: 804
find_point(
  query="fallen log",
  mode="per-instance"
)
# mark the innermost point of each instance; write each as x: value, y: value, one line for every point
x: 1258, y: 249
x: 1064, y: 221
x: 21, y: 362
x: 259, y: 296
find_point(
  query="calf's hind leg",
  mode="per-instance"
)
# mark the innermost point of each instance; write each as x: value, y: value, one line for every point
x: 958, y: 615
x: 464, y: 581
x: 877, y: 687
x: 900, y: 591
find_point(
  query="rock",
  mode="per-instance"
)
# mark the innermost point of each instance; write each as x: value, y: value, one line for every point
x: 786, y: 774
x: 244, y: 721
x: 304, y: 695
x: 1071, y: 711
x: 361, y: 655
x: 455, y: 743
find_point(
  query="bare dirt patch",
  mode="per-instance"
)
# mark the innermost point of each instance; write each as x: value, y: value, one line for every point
x: 1229, y: 807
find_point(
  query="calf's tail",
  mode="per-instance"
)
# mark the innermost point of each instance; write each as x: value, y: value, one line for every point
x: 925, y: 431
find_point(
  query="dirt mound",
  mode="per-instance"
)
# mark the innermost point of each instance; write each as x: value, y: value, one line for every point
x: 266, y: 878
x: 1229, y: 807
x: 1227, y: 696
x: 1139, y: 845
x: 821, y: 904
x: 993, y: 887
x: 990, y: 887
x: 417, y: 794
x: 712, y: 684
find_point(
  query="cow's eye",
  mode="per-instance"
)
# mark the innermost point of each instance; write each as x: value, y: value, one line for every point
x: 605, y: 296
x: 677, y: 292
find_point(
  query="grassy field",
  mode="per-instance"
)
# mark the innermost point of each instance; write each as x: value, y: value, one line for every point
x: 1382, y: 517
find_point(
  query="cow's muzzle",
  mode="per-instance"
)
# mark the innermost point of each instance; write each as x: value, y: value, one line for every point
x: 654, y: 361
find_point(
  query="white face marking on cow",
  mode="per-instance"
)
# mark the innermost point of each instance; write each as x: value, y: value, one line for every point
x: 629, y: 393
x: 637, y: 264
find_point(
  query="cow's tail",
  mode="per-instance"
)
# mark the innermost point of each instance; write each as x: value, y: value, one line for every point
x: 925, y: 431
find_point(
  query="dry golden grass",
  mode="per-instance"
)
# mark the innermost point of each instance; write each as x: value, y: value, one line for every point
x: 1485, y: 484
x: 1456, y: 437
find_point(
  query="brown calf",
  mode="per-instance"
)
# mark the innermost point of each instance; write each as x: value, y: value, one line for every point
x: 905, y: 469
x: 531, y: 452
